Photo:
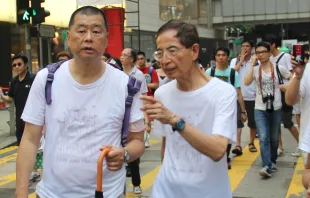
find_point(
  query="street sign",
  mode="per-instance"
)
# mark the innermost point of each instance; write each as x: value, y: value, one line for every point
x: 47, y: 31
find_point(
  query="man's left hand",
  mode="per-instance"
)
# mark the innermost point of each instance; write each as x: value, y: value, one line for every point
x: 156, y: 110
x: 244, y: 117
x: 115, y: 159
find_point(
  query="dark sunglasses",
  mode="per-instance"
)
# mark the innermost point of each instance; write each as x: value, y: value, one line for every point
x: 18, y: 64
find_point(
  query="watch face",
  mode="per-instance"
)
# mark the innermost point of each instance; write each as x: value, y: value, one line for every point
x: 180, y: 125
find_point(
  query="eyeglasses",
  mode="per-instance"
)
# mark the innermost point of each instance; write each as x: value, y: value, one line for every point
x: 17, y: 64
x: 261, y: 52
x: 170, y: 52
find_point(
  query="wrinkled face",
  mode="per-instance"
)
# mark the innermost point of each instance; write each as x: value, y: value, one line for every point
x: 221, y: 57
x: 176, y: 60
x: 125, y: 57
x: 19, y: 66
x: 141, y: 60
x: 262, y: 54
x: 246, y: 47
x: 87, y: 38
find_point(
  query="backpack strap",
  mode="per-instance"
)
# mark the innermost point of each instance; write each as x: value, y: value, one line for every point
x: 133, y: 87
x: 280, y: 58
x: 52, y: 68
x: 232, y: 76
x: 212, y: 71
x: 279, y: 75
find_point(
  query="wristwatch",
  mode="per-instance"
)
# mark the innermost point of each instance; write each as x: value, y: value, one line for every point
x: 179, y: 126
x: 126, y: 156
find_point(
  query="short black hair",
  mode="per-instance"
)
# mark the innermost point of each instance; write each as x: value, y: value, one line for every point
x: 223, y: 49
x: 140, y: 53
x: 272, y: 40
x: 249, y: 42
x: 263, y: 44
x: 88, y: 10
x: 20, y: 56
x: 186, y: 33
x: 305, y: 55
x: 106, y: 54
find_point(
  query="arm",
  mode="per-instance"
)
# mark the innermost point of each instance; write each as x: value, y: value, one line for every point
x: 292, y: 94
x: 249, y: 77
x: 152, y: 85
x: 239, y: 64
x: 26, y: 157
x: 135, y: 145
x: 241, y: 103
x: 7, y: 99
x: 155, y: 81
x: 163, y: 148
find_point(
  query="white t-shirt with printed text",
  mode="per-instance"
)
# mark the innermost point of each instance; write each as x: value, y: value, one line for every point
x: 185, y: 171
x: 80, y: 119
x: 267, y: 87
x: 248, y: 92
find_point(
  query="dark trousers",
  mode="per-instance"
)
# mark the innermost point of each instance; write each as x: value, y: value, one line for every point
x: 20, y: 126
x: 135, y: 172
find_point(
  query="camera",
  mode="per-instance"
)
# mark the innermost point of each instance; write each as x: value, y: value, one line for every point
x: 269, y: 102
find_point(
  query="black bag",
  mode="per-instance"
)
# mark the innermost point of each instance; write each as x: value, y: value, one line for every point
x: 285, y: 107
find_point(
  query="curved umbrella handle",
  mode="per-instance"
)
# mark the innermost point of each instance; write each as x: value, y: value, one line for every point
x: 104, y: 152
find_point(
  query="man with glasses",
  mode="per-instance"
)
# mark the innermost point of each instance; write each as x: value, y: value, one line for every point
x: 242, y: 65
x: 19, y: 90
x: 152, y: 82
x: 196, y: 115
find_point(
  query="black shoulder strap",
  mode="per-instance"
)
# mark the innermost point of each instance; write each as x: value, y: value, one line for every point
x: 279, y: 75
x: 232, y: 76
x: 212, y: 71
x: 280, y: 58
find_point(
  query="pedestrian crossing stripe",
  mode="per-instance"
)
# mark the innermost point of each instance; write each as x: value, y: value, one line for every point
x: 296, y: 188
x: 6, y: 150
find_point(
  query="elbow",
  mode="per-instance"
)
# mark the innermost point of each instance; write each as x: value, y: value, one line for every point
x: 219, y: 155
x: 247, y: 82
x: 289, y: 99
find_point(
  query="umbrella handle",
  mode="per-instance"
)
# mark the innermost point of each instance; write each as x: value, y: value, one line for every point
x: 104, y: 152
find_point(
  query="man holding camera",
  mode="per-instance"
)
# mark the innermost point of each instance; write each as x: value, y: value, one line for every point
x: 267, y: 105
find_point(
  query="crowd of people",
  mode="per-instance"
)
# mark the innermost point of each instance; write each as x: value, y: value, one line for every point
x: 199, y: 114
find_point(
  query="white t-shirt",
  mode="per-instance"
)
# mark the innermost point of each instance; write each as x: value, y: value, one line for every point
x: 248, y: 92
x: 284, y: 61
x: 135, y: 72
x: 267, y: 86
x: 80, y: 119
x: 305, y: 110
x: 185, y: 171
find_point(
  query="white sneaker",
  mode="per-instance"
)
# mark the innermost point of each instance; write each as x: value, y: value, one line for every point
x: 137, y: 190
x: 274, y: 168
x: 296, y: 153
x: 264, y: 172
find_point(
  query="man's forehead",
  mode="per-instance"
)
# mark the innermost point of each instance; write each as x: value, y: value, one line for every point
x: 89, y: 20
x: 18, y: 60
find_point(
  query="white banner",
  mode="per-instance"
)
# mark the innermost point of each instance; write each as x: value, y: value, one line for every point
x: 98, y: 2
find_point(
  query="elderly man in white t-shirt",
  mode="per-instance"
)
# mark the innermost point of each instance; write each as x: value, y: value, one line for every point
x: 196, y: 115
x: 299, y: 90
x: 86, y: 113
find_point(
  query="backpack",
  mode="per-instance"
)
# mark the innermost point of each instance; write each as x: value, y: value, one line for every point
x: 133, y: 86
x: 232, y: 75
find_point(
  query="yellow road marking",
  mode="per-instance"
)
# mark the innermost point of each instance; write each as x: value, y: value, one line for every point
x: 12, y: 148
x: 32, y: 195
x: 7, y: 179
x: 146, y: 181
x: 296, y: 189
x: 8, y: 158
x: 152, y: 142
x: 241, y: 165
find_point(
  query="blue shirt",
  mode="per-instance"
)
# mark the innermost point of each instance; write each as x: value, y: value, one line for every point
x: 225, y: 76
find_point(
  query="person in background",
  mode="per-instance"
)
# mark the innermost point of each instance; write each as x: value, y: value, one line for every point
x: 152, y: 82
x: 128, y: 59
x: 267, y: 105
x: 106, y: 57
x: 61, y: 56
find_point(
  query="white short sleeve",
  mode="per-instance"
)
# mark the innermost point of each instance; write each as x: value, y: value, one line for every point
x: 34, y: 111
x: 226, y: 115
x: 305, y: 140
x: 287, y: 59
x: 136, y: 113
x: 304, y: 80
x: 284, y: 72
x: 233, y: 62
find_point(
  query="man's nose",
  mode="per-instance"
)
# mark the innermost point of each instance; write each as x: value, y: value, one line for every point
x: 88, y: 36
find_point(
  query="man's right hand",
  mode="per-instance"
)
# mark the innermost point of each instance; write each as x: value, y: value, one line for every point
x: 243, y: 55
x: 297, y: 68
